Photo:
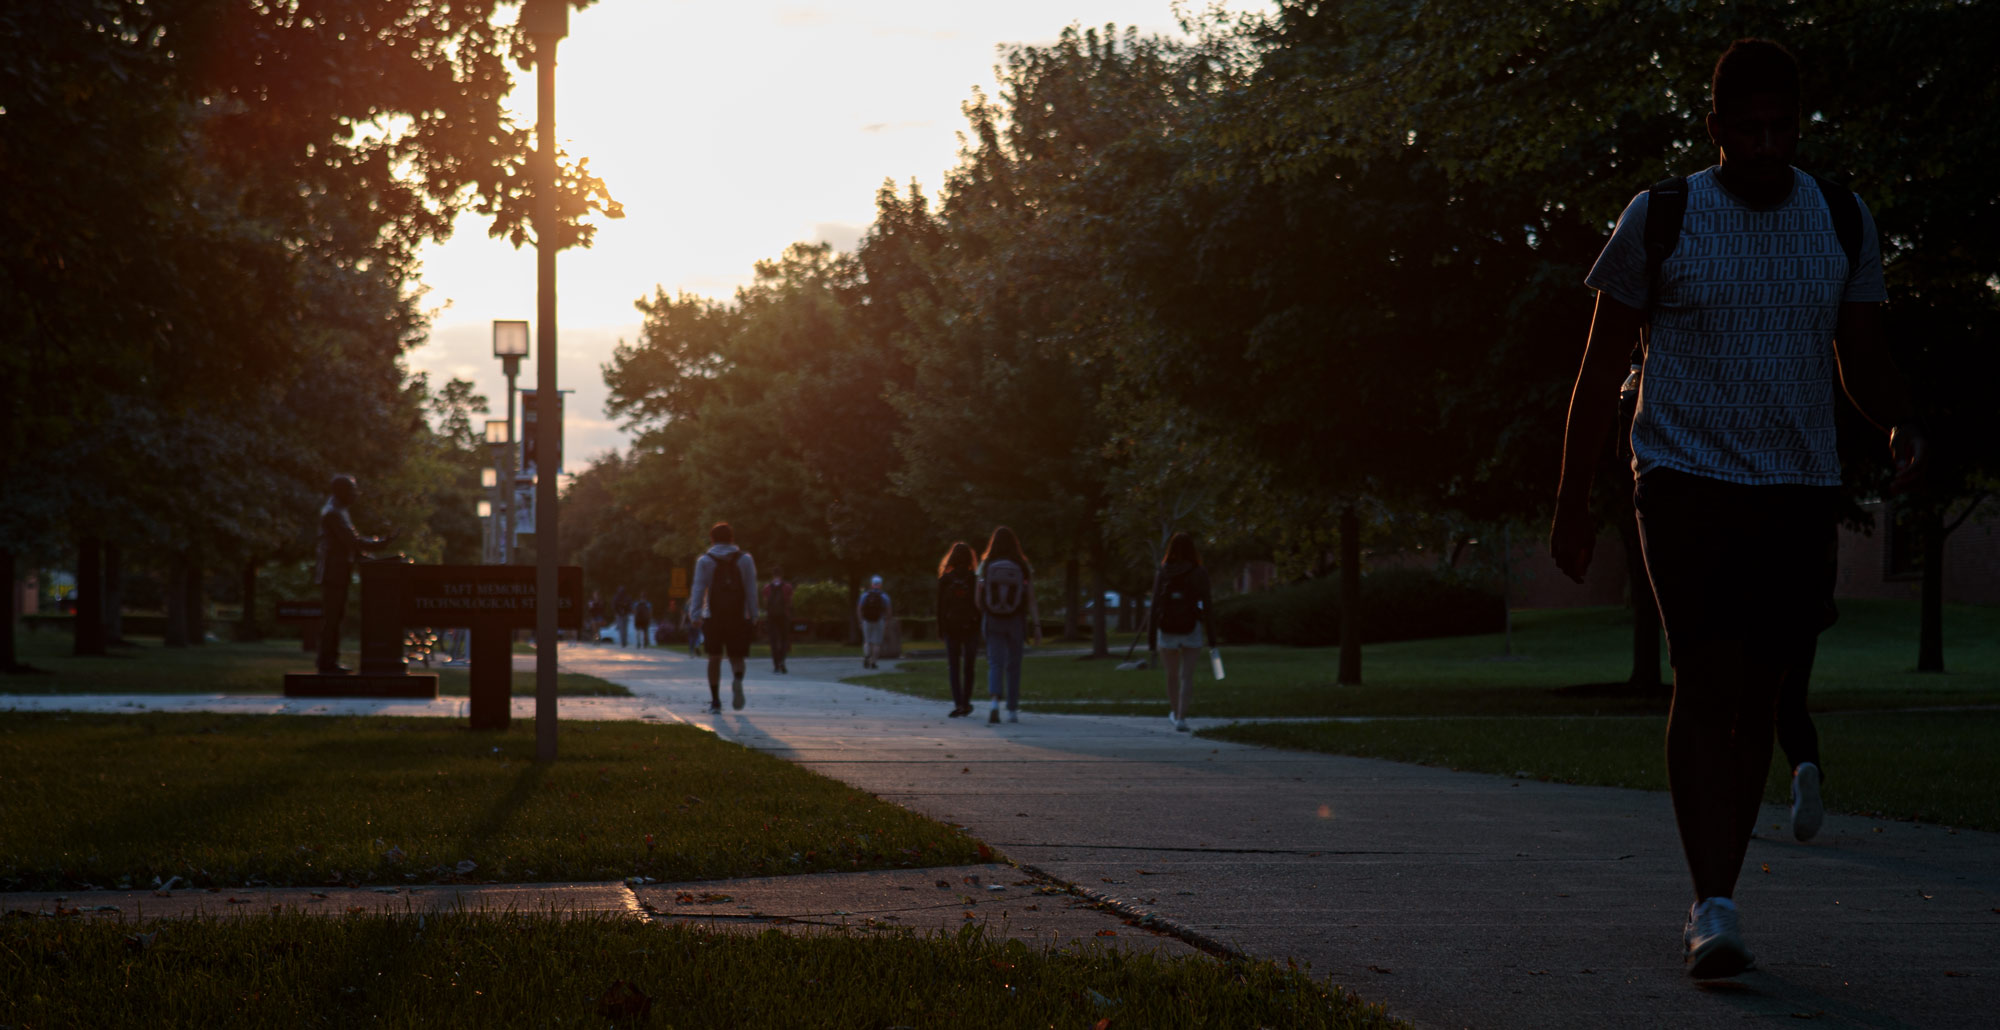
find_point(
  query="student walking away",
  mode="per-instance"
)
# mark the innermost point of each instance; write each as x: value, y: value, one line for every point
x: 874, y: 611
x: 777, y: 601
x: 958, y: 622
x: 1007, y: 603
x: 621, y: 610
x: 1757, y: 285
x: 1180, y: 622
x: 724, y: 606
x: 339, y: 547
x: 642, y: 621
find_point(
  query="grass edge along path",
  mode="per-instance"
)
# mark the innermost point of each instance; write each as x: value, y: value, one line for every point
x: 476, y: 970
x: 250, y: 669
x: 1933, y: 767
x: 228, y: 800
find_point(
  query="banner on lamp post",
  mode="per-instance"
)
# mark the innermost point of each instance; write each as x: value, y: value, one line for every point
x: 532, y: 434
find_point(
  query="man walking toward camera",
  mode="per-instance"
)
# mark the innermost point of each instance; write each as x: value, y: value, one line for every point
x: 1757, y: 284
x: 722, y: 607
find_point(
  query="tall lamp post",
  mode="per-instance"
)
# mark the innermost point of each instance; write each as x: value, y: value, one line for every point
x: 489, y: 479
x: 510, y: 345
x: 546, y: 22
x: 500, y: 447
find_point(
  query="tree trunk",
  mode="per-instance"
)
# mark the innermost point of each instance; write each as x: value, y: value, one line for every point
x: 89, y: 639
x: 1930, y: 632
x: 1350, y: 597
x: 176, y: 632
x: 9, y: 659
x: 197, y: 605
x: 247, y: 628
x: 114, y: 596
x: 1645, y: 678
x: 1072, y: 599
x: 1100, y: 627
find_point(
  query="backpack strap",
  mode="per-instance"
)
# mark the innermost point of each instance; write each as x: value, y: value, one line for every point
x: 1846, y: 212
x: 1666, y: 208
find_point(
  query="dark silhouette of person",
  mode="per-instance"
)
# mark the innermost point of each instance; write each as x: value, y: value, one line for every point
x: 1753, y: 321
x: 339, y: 546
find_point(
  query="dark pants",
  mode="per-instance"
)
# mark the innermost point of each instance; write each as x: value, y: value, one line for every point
x: 960, y: 652
x: 1740, y: 573
x: 332, y: 608
x: 781, y: 640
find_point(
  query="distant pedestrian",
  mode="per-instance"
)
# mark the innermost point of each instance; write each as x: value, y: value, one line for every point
x: 958, y: 622
x: 777, y: 599
x: 725, y: 611
x: 1180, y: 621
x: 642, y: 621
x: 593, y: 618
x: 621, y: 610
x: 874, y: 610
x: 340, y: 546
x: 1007, y: 600
x: 1771, y: 294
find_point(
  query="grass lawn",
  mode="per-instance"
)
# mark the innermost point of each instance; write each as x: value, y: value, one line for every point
x: 480, y: 970
x: 220, y: 800
x: 1932, y: 767
x: 1866, y: 661
x: 214, y: 668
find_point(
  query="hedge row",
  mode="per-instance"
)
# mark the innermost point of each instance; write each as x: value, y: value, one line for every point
x: 1396, y: 604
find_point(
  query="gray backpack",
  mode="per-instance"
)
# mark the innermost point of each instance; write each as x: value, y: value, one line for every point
x: 1003, y: 589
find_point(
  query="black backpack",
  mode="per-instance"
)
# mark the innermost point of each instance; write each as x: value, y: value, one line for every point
x: 1180, y: 603
x: 958, y: 612
x: 873, y: 604
x: 1666, y: 209
x: 725, y: 591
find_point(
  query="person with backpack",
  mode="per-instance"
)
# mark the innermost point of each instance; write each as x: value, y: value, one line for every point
x: 777, y: 601
x: 874, y: 611
x: 1180, y: 621
x: 724, y: 611
x: 642, y: 621
x: 1758, y: 291
x: 958, y: 622
x: 621, y: 610
x: 1007, y: 601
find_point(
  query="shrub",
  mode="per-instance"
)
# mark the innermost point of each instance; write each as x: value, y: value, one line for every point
x: 1396, y: 604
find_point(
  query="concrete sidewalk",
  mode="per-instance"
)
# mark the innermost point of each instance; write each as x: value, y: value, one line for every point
x: 1457, y: 899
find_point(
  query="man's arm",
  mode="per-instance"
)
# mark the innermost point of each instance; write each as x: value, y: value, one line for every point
x: 1877, y: 388
x: 1593, y: 410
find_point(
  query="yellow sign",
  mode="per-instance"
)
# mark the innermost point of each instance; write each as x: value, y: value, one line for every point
x: 679, y: 587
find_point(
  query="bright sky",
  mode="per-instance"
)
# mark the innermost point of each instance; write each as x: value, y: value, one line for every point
x: 728, y: 131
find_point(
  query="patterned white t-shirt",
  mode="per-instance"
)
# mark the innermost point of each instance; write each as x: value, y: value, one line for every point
x: 1738, y: 383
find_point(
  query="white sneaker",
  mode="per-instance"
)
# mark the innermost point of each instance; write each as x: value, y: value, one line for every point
x: 1713, y: 941
x: 1181, y: 725
x: 1173, y: 720
x: 1806, y: 808
x: 1013, y: 716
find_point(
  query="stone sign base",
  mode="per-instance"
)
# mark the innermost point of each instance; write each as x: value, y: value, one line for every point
x: 417, y: 685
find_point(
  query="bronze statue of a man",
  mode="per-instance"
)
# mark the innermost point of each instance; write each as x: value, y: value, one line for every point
x: 339, y: 546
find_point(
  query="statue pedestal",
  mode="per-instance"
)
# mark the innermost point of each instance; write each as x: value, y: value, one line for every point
x: 403, y: 685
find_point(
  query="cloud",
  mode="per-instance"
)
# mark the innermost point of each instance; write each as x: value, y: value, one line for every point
x: 895, y: 126
x: 844, y: 236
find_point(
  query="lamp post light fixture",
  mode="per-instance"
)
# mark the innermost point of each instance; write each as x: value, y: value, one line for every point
x: 510, y: 345
x: 545, y: 23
